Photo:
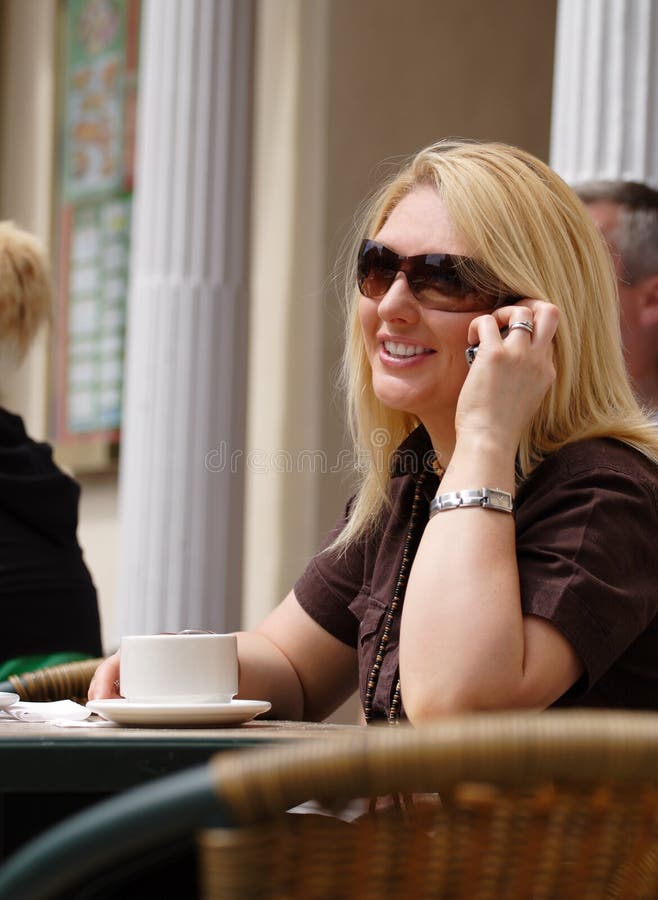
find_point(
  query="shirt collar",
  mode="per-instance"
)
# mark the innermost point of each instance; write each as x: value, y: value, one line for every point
x: 414, y: 455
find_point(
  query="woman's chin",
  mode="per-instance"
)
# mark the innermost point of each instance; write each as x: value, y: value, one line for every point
x: 425, y: 407
x: 394, y: 398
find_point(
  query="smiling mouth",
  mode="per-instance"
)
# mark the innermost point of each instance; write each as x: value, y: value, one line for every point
x: 405, y: 351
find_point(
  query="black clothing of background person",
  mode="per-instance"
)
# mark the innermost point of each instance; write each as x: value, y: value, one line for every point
x: 48, y: 600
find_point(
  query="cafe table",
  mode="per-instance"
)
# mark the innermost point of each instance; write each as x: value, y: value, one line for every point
x: 48, y: 772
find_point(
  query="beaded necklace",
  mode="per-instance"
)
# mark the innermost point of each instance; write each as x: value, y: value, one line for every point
x: 373, y: 677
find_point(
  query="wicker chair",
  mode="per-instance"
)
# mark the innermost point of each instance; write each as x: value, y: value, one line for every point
x: 69, y: 681
x: 552, y: 805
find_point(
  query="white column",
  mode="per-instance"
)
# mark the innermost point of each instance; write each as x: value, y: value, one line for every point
x: 181, y: 519
x: 605, y: 97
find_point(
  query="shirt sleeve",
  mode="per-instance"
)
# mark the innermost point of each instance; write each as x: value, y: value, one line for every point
x: 586, y: 550
x: 330, y: 583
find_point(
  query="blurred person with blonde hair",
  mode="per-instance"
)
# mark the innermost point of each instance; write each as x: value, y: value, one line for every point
x: 626, y: 213
x: 499, y: 551
x: 47, y: 597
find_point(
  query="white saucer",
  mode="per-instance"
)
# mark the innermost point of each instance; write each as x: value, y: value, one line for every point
x: 7, y: 699
x: 124, y: 712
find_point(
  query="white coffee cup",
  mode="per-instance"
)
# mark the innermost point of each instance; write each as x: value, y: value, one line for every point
x: 179, y: 668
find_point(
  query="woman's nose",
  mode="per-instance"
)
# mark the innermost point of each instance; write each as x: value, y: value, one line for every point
x: 398, y: 303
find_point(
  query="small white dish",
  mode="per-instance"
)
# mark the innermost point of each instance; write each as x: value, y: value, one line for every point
x: 7, y: 699
x: 126, y: 712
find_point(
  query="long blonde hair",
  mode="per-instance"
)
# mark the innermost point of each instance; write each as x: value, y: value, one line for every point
x: 529, y: 229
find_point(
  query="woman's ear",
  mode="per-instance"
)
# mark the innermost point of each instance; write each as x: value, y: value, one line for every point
x: 648, y: 306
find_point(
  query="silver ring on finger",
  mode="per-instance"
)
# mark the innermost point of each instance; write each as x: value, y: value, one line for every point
x: 526, y: 326
x: 116, y: 685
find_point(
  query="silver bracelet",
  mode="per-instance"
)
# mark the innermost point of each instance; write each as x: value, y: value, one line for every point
x: 487, y: 498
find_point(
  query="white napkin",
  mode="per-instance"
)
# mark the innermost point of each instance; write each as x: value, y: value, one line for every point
x: 57, y: 712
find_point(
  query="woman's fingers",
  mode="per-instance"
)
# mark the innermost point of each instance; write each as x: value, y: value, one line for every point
x: 538, y: 318
x: 513, y: 370
x: 105, y: 683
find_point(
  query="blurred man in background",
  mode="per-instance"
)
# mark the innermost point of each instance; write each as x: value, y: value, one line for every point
x: 626, y: 212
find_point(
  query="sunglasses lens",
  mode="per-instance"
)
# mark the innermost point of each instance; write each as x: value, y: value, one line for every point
x: 437, y: 280
x: 376, y: 269
x: 443, y: 287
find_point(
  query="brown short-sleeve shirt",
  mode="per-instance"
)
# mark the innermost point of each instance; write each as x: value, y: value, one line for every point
x: 586, y: 538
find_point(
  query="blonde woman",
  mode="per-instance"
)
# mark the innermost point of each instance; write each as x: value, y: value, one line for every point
x: 47, y: 596
x: 500, y: 551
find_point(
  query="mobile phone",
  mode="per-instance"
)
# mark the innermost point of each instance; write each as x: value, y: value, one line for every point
x: 471, y: 352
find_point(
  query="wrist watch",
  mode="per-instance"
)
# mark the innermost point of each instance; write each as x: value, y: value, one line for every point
x: 487, y: 498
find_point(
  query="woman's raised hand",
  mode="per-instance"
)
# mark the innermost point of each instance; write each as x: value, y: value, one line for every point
x: 511, y: 373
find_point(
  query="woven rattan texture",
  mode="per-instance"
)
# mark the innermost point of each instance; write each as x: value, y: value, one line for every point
x: 503, y: 748
x: 481, y: 843
x: 552, y: 805
x: 69, y: 681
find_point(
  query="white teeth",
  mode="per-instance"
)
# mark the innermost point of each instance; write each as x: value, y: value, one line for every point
x: 403, y: 349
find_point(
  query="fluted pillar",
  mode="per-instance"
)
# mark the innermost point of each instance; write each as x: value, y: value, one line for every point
x: 181, y: 519
x: 605, y: 97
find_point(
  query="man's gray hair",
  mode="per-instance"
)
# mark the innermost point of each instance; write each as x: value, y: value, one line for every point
x: 636, y: 234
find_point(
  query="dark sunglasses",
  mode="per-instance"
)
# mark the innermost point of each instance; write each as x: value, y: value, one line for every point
x: 437, y: 280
